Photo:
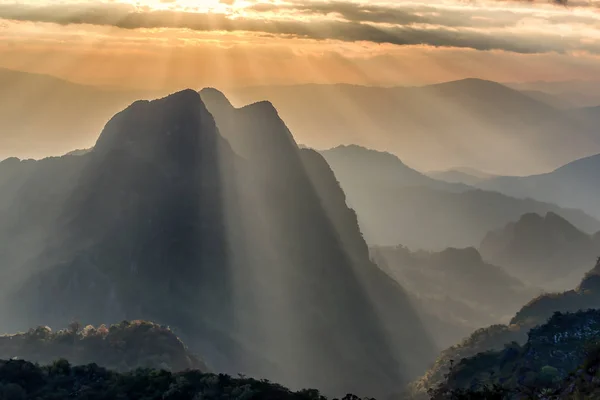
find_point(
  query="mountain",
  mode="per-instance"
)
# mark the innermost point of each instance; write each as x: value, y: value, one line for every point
x: 556, y: 358
x: 431, y: 127
x: 576, y: 93
x: 434, y: 127
x: 61, y: 380
x: 496, y: 337
x: 31, y: 126
x: 574, y: 185
x: 123, y: 347
x: 553, y: 100
x: 544, y: 250
x: 456, y: 285
x: 467, y: 176
x: 396, y: 204
x: 360, y: 164
x: 211, y: 220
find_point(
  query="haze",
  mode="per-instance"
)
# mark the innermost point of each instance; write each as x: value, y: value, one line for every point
x: 388, y: 198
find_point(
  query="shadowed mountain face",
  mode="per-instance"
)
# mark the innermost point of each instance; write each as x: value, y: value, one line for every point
x: 396, y: 204
x: 547, y: 251
x: 225, y: 231
x: 575, y: 185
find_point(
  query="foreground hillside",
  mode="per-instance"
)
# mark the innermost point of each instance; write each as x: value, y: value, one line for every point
x: 560, y: 360
x: 21, y: 380
x: 496, y: 337
x: 122, y: 347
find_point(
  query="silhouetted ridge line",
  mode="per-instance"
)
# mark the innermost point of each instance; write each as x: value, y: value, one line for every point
x: 226, y: 233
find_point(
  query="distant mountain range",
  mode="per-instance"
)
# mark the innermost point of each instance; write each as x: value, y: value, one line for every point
x: 567, y: 94
x: 437, y: 126
x: 467, y: 176
x: 398, y: 205
x: 543, y: 250
x: 209, y: 219
x: 457, y: 286
x: 431, y: 127
x: 574, y: 185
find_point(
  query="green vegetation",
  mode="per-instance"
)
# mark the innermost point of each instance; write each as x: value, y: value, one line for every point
x: 122, y: 347
x: 560, y: 360
x: 21, y: 380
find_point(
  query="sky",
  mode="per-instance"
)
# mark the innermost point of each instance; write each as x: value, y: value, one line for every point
x: 167, y: 44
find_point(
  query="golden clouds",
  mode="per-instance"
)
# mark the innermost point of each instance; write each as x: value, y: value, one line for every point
x: 157, y: 43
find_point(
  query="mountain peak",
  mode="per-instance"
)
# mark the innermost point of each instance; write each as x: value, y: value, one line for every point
x: 177, y: 123
x: 214, y: 96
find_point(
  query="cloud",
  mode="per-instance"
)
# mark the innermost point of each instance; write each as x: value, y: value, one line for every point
x: 479, y: 28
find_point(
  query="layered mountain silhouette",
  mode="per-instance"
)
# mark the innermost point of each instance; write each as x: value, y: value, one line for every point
x: 32, y: 126
x: 457, y: 286
x: 430, y: 127
x: 397, y: 204
x: 220, y: 227
x: 574, y: 185
x: 544, y: 250
x: 467, y: 176
x: 436, y: 126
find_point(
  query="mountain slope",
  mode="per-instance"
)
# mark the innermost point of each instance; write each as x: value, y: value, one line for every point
x: 398, y: 205
x: 222, y: 230
x: 123, y: 347
x: 547, y: 251
x: 456, y: 285
x: 380, y: 168
x: 574, y: 185
x: 552, y: 353
x: 467, y: 176
x: 496, y: 337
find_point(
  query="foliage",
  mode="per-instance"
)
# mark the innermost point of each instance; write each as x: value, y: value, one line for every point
x: 124, y: 346
x: 561, y: 360
x: 60, y: 380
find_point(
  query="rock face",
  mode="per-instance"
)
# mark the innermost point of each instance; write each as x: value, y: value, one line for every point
x: 225, y: 231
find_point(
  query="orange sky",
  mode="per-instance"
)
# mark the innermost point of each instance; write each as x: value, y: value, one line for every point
x: 168, y: 44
